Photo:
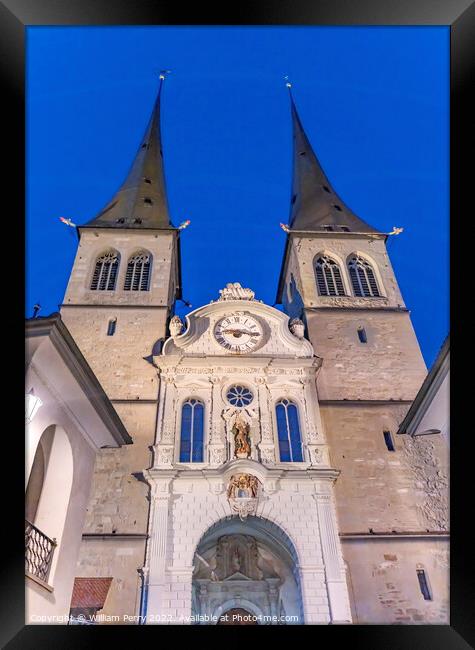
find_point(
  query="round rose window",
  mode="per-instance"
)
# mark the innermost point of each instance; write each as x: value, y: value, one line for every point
x: 239, y: 396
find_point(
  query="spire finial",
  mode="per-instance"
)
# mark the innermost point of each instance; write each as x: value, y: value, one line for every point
x: 163, y: 74
x: 287, y: 82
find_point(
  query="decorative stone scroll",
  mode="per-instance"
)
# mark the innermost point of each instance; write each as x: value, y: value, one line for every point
x: 317, y: 455
x: 243, y: 494
x: 163, y: 455
x: 217, y: 454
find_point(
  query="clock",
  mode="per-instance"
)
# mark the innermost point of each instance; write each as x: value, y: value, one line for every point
x: 238, y: 333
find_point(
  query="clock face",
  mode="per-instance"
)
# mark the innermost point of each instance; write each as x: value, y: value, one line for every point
x: 238, y: 333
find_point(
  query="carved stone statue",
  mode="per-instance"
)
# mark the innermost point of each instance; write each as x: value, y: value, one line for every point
x: 176, y: 326
x: 234, y: 291
x: 297, y: 328
x: 236, y: 560
x: 242, y: 439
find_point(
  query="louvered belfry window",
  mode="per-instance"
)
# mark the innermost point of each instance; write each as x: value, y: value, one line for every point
x: 362, y: 278
x: 105, y: 272
x: 137, y: 277
x: 329, y: 280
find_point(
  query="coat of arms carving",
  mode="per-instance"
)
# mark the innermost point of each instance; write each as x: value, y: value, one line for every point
x: 243, y: 492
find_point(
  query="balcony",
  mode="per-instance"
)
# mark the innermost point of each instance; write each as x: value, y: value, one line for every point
x: 39, y: 551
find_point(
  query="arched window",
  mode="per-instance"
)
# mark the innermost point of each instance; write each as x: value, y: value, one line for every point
x: 288, y: 428
x: 192, y: 432
x: 329, y: 282
x: 362, y: 278
x: 137, y: 277
x: 105, y: 272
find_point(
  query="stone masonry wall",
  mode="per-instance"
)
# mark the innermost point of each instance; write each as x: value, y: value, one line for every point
x: 118, y: 559
x: 118, y: 360
x: 383, y: 581
x: 95, y: 242
x: 118, y: 503
x: 388, y: 366
x: 405, y: 489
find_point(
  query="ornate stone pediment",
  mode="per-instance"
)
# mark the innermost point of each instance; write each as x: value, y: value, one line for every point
x: 237, y: 576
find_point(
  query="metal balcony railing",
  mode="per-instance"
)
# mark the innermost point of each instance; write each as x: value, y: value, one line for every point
x: 39, y: 551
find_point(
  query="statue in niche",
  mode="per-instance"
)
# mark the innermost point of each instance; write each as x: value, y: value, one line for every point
x: 236, y: 560
x: 242, y: 439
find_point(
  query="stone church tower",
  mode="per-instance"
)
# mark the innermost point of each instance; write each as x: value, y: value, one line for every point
x: 121, y: 293
x: 392, y: 492
x: 265, y: 476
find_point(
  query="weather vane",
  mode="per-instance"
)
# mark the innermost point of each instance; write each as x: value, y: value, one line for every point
x: 287, y: 82
x: 163, y: 73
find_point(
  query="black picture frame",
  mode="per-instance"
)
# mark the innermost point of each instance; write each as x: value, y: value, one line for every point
x: 15, y: 16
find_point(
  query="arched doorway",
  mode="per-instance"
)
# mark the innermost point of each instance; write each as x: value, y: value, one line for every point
x: 237, y: 616
x: 246, y: 573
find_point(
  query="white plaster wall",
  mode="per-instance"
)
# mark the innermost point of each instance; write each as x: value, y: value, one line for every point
x: 62, y: 511
x: 437, y: 414
x: 39, y: 601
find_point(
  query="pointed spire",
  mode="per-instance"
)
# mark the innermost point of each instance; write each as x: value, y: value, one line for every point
x: 315, y: 206
x: 141, y: 201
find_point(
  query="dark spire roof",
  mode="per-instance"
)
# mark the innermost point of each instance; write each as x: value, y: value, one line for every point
x: 141, y: 201
x: 314, y: 202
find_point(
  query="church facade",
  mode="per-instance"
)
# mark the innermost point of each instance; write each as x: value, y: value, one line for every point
x: 266, y: 479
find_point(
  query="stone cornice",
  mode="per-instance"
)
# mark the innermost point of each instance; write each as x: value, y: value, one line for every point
x: 396, y: 535
x: 225, y: 471
x: 112, y: 305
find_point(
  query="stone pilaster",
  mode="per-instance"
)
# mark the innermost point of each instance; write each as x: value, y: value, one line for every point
x: 155, y: 563
x: 266, y: 444
x: 334, y: 566
x: 216, y: 446
x: 165, y: 447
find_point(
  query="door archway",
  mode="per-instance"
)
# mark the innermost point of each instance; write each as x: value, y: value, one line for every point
x: 246, y: 565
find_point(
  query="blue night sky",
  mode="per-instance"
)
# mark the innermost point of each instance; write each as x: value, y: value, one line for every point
x: 374, y: 102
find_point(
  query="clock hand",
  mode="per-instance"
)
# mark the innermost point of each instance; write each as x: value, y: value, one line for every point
x: 240, y: 332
